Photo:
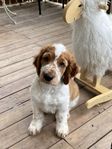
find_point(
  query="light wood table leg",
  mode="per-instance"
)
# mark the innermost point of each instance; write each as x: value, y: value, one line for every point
x: 99, y: 99
x: 103, y: 94
x: 96, y: 80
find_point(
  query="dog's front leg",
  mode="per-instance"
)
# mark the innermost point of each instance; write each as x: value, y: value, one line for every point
x: 61, y: 123
x: 37, y: 121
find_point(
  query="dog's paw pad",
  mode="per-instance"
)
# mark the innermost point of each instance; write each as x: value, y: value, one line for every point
x: 34, y: 129
x: 62, y: 132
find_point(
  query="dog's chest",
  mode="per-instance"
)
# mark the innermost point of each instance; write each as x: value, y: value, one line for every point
x: 49, y: 98
x: 50, y: 101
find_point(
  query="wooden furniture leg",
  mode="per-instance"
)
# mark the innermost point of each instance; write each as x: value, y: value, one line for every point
x: 96, y: 80
x: 103, y: 94
x: 104, y: 97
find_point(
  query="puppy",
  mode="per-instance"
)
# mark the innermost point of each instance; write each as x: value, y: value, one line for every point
x: 54, y: 90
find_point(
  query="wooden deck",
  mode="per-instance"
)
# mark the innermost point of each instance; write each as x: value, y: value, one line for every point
x: 18, y: 44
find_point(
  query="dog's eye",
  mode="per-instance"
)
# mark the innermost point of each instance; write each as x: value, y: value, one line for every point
x: 45, y: 58
x: 62, y: 64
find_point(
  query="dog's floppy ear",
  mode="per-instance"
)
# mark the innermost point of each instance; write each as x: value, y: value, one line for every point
x: 37, y: 60
x: 37, y: 63
x: 71, y: 70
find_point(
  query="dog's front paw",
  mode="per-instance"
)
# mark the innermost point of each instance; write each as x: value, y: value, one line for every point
x: 34, y: 128
x: 62, y: 131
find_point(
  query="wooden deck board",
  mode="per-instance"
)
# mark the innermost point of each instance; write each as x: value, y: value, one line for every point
x: 18, y: 51
x: 16, y: 86
x: 92, y: 131
x: 105, y: 142
x: 11, y: 47
x: 61, y: 145
x: 18, y: 44
x: 14, y: 100
x: 16, y: 67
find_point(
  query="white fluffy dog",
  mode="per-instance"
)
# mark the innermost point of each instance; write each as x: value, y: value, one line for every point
x: 92, y: 38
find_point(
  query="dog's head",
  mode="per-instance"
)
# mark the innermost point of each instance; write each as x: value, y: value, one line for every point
x: 55, y: 64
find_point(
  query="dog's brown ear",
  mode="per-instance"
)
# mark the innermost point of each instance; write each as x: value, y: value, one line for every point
x: 37, y: 63
x: 66, y: 76
x: 71, y: 70
x: 37, y: 60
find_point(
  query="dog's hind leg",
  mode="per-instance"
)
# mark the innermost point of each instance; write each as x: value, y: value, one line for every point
x: 73, y: 103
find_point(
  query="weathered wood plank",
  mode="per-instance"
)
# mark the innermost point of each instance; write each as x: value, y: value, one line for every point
x: 18, y: 58
x: 41, y: 36
x: 61, y: 145
x: 14, y: 115
x: 40, y: 24
x: 17, y: 75
x: 25, y: 55
x: 44, y: 140
x: 11, y: 47
x: 10, y: 38
x: 14, y: 100
x: 54, y: 27
x: 61, y: 37
x: 17, y: 51
x: 4, y: 29
x: 15, y: 67
x: 52, y: 31
x: 15, y: 133
x: 92, y: 131
x: 16, y: 86
x: 105, y: 142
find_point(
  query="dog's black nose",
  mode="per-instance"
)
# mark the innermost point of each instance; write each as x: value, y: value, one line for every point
x: 48, y: 77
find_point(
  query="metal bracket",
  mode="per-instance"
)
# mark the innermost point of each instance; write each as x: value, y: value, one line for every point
x: 8, y: 11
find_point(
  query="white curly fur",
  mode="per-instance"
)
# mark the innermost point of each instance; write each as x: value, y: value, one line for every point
x: 92, y: 39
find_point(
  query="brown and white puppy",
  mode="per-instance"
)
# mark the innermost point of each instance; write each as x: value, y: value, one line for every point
x: 54, y: 89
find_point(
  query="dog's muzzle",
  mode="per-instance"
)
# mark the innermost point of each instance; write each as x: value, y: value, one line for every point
x: 48, y: 77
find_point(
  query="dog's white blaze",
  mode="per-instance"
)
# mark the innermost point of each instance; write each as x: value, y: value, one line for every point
x: 59, y: 48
